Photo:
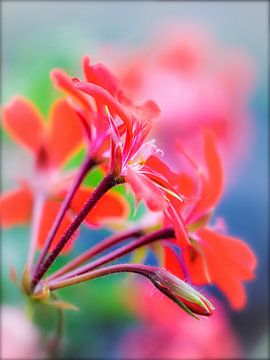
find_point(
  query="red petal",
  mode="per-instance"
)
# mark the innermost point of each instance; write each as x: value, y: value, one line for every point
x: 235, y: 253
x: 178, y: 224
x: 49, y: 214
x: 195, y: 265
x: 116, y: 148
x: 103, y: 97
x: 156, y: 164
x: 111, y: 206
x: 64, y: 82
x: 144, y: 189
x: 213, y: 187
x: 172, y: 262
x: 23, y: 122
x: 229, y: 262
x: 186, y: 185
x: 99, y: 75
x: 235, y: 292
x: 148, y: 111
x: 65, y: 133
x: 16, y: 207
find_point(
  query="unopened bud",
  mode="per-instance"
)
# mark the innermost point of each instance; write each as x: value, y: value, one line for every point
x: 183, y: 294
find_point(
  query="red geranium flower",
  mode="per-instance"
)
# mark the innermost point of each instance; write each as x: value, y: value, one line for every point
x: 51, y: 145
x: 134, y: 157
x: 212, y: 257
x: 131, y: 149
x: 104, y: 89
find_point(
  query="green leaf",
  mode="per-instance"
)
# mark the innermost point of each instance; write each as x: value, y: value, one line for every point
x: 59, y: 304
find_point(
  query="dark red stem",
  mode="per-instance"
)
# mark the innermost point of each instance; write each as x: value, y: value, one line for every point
x: 106, y: 184
x: 164, y: 233
x: 88, y: 164
x: 96, y: 249
x: 147, y: 271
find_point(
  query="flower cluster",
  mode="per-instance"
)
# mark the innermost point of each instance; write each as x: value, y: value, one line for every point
x: 98, y: 115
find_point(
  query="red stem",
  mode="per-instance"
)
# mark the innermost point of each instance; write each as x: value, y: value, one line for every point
x: 144, y: 240
x: 108, y: 182
x: 87, y: 165
x: 96, y: 249
x: 144, y: 270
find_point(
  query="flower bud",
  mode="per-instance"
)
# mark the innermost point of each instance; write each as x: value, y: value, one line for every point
x: 181, y: 293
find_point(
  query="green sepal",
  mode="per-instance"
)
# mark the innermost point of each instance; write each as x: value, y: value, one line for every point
x: 26, y: 281
x: 59, y: 304
x: 43, y: 295
x: 186, y: 309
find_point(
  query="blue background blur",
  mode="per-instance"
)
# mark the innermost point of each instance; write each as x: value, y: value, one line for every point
x: 40, y: 35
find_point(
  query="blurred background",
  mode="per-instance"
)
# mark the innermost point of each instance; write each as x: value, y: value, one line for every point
x: 38, y: 36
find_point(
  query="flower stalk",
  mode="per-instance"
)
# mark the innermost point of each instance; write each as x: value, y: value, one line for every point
x: 176, y: 289
x: 55, y: 343
x: 108, y: 182
x: 87, y: 165
x: 144, y: 240
x: 96, y: 249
